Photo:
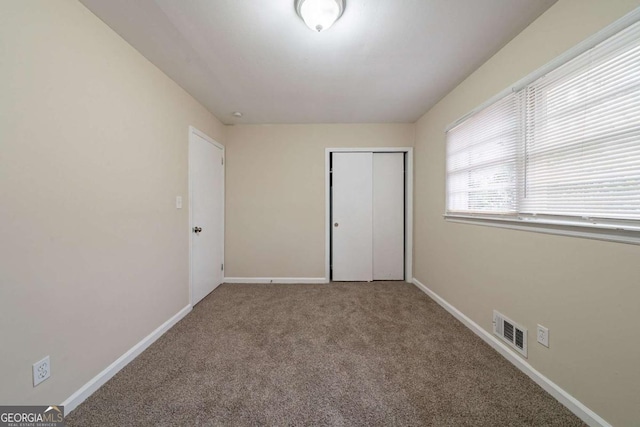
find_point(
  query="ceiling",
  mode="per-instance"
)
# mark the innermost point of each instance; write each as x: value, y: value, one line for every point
x: 382, y: 62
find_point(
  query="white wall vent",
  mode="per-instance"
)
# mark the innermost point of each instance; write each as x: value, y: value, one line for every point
x: 510, y: 332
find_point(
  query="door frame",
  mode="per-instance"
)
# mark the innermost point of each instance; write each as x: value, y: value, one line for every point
x: 193, y: 132
x: 408, y: 207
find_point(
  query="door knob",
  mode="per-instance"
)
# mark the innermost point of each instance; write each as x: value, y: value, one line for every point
x: 336, y: 224
x: 197, y: 229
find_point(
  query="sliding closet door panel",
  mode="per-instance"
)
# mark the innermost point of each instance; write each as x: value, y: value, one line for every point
x: 388, y: 216
x: 351, y: 226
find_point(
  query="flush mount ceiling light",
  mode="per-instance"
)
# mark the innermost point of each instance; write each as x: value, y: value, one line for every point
x: 319, y: 14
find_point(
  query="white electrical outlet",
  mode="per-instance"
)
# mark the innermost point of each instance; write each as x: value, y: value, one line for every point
x: 178, y: 202
x: 543, y: 335
x: 41, y: 371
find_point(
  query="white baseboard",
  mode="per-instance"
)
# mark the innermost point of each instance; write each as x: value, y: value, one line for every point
x: 573, y: 404
x: 96, y: 382
x: 306, y: 280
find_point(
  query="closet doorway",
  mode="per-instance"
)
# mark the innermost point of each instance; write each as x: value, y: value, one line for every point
x: 369, y: 214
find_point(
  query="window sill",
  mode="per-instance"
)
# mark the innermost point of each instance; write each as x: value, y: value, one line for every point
x: 597, y: 232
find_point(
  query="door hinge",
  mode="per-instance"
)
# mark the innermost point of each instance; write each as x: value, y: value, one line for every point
x: 221, y: 267
x: 222, y: 160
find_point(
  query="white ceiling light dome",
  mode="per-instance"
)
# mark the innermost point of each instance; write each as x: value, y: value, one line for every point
x: 319, y: 14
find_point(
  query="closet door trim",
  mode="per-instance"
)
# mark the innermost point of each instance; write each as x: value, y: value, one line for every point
x: 408, y: 241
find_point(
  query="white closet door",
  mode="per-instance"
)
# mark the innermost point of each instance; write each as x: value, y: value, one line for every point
x: 352, y: 200
x: 388, y: 216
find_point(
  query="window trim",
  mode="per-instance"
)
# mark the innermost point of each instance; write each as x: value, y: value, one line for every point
x: 609, y: 233
x: 619, y: 231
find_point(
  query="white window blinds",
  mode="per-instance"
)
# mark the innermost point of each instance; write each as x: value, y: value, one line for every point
x: 566, y: 147
x: 583, y: 134
x: 481, y: 160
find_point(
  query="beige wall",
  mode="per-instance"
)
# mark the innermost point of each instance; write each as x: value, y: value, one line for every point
x: 585, y: 291
x: 275, y: 193
x: 93, y: 152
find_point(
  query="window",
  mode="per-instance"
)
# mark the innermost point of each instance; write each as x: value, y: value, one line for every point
x: 482, y: 160
x: 562, y: 149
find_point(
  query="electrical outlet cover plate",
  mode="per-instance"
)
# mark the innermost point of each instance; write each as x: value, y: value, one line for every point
x: 41, y: 371
x: 543, y: 336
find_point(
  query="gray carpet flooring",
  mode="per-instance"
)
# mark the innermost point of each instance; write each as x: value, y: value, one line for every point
x: 379, y: 353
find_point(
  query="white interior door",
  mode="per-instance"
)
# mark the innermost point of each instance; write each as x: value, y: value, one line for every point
x: 352, y: 198
x: 206, y: 176
x: 388, y: 216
